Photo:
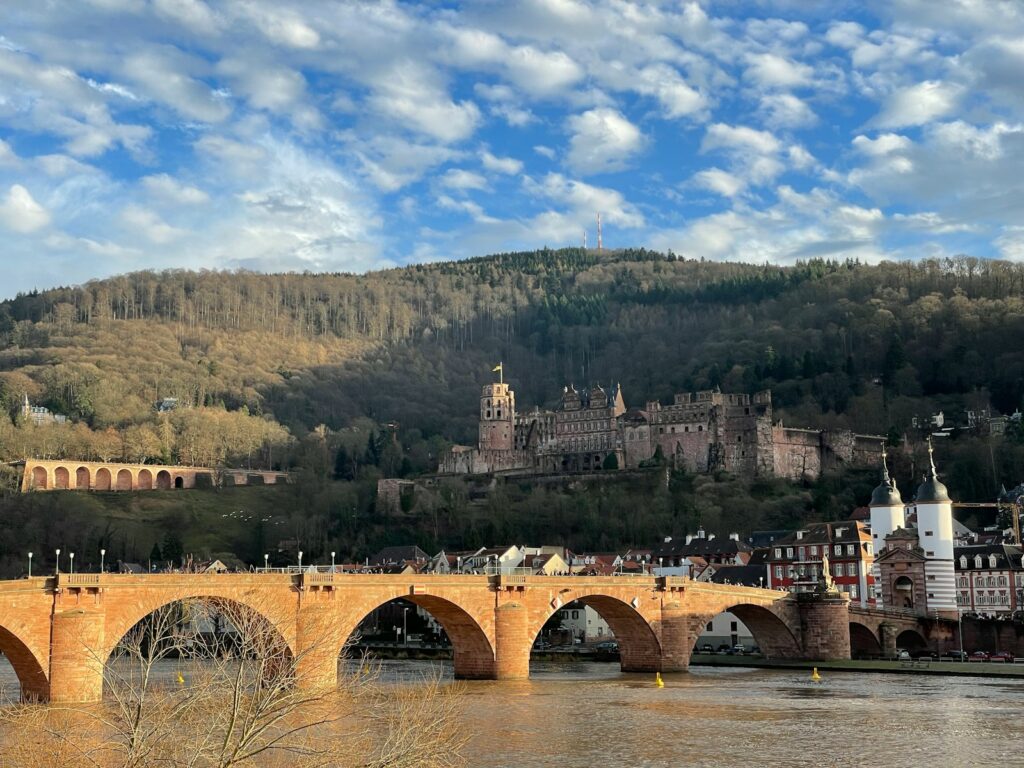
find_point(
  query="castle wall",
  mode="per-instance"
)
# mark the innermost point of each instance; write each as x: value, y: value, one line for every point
x: 796, y: 453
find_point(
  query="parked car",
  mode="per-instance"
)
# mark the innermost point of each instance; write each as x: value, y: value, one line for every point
x: 955, y: 655
x: 1004, y: 656
x: 739, y: 649
x: 706, y: 648
x: 979, y: 656
x: 608, y: 646
x: 541, y: 645
x: 902, y: 654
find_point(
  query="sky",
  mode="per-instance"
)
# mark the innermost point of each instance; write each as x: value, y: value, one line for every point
x: 300, y: 135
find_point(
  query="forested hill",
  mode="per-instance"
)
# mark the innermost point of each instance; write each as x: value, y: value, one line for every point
x: 838, y: 343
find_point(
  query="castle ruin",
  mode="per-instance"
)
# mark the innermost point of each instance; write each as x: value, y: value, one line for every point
x: 701, y: 432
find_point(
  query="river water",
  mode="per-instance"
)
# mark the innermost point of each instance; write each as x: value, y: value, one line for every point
x: 587, y: 714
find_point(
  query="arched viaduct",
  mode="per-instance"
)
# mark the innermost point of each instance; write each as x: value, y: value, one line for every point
x: 70, y: 475
x: 58, y: 631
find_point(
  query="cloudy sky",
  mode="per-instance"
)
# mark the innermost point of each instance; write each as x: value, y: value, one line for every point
x: 308, y: 135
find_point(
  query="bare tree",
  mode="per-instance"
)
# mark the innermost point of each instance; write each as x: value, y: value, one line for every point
x: 211, y: 684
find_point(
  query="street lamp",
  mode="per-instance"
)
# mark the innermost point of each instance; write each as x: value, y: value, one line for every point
x: 58, y: 561
x: 103, y: 555
x: 72, y: 562
x: 405, y: 627
x: 30, y: 565
x: 266, y: 563
x: 332, y: 562
x: 300, y: 559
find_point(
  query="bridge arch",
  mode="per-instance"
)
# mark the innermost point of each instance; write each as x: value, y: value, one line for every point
x: 472, y: 649
x: 145, y: 480
x: 61, y: 478
x: 163, y: 480
x: 82, y: 479
x: 31, y: 675
x: 639, y: 646
x: 102, y: 479
x: 124, y: 480
x: 911, y: 640
x: 864, y: 641
x: 772, y: 634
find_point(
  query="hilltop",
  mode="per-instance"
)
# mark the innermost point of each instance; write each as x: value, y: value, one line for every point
x: 355, y: 376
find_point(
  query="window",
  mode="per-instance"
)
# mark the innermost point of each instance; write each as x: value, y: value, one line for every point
x: 977, y: 561
x: 928, y: 533
x: 837, y: 569
x: 814, y: 551
x: 963, y: 561
x: 929, y: 553
x: 575, y: 614
x: 710, y: 626
x: 778, y: 553
x: 991, y: 561
x: 851, y: 569
x: 733, y: 626
x: 838, y: 549
x: 778, y: 571
x: 802, y: 553
x: 1002, y: 581
x: 851, y: 549
x: 853, y: 590
x: 789, y: 552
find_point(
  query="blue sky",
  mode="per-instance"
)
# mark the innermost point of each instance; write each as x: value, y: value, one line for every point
x: 346, y: 136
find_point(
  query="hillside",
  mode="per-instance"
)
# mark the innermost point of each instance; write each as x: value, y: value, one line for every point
x: 265, y: 360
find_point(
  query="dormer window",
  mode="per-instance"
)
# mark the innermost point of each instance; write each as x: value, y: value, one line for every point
x: 963, y: 561
x: 991, y: 561
x: 977, y: 561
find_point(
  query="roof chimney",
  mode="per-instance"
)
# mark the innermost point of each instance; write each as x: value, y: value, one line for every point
x: 701, y: 534
x: 669, y: 538
x: 734, y: 537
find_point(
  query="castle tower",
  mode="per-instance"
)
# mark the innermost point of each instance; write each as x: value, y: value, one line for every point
x: 935, y: 537
x: 497, y: 415
x: 887, y: 514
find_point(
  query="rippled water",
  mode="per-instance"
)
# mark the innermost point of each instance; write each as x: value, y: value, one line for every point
x: 590, y: 714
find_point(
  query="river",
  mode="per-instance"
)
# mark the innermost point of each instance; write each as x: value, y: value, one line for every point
x: 587, y: 714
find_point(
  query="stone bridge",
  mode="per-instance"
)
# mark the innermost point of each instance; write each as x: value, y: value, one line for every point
x: 71, y: 475
x: 58, y: 631
x: 880, y: 633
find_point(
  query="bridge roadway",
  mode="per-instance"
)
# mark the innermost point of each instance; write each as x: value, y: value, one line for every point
x: 58, y: 631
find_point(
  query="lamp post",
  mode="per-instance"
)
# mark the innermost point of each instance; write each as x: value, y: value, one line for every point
x: 72, y: 554
x: 332, y: 562
x: 960, y: 630
x: 30, y: 565
x: 58, y: 561
x: 103, y: 555
x: 266, y: 563
x: 405, y: 627
x: 300, y: 559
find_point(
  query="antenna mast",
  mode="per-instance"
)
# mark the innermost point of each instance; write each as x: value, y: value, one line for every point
x: 584, y: 239
x: 599, y: 244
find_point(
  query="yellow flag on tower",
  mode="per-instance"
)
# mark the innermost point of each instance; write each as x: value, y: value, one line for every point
x: 496, y: 368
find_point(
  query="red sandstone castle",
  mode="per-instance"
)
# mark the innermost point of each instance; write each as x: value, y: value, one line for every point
x: 703, y: 432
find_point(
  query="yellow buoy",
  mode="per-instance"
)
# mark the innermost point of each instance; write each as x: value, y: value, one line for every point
x: 181, y: 680
x: 815, y: 676
x: 658, y: 682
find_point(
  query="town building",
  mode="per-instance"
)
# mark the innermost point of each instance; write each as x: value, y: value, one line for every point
x: 796, y: 561
x: 915, y: 570
x: 990, y: 579
x: 38, y: 415
x: 593, y: 430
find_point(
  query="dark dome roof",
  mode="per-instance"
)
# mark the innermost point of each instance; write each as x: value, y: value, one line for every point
x: 932, y: 490
x: 886, y: 495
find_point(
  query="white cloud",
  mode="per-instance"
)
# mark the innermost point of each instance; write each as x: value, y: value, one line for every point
x: 918, y: 104
x: 784, y: 110
x: 506, y: 165
x: 728, y: 137
x: 462, y: 180
x: 7, y: 156
x: 769, y: 70
x: 194, y: 14
x: 169, y: 189
x: 167, y: 77
x: 720, y: 182
x: 411, y: 95
x: 603, y: 140
x: 585, y: 200
x: 883, y: 144
x: 146, y: 223
x: 20, y: 213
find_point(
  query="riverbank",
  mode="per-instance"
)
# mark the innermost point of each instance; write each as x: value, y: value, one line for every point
x: 917, y: 667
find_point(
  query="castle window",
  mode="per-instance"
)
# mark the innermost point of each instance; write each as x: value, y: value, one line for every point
x: 488, y: 414
x: 739, y: 438
x: 700, y: 428
x: 499, y: 413
x: 686, y: 429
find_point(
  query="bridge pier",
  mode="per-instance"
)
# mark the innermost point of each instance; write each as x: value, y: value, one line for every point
x: 676, y: 638
x: 889, y: 633
x: 825, y: 626
x: 76, y: 657
x: 512, y: 642
x: 316, y: 647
